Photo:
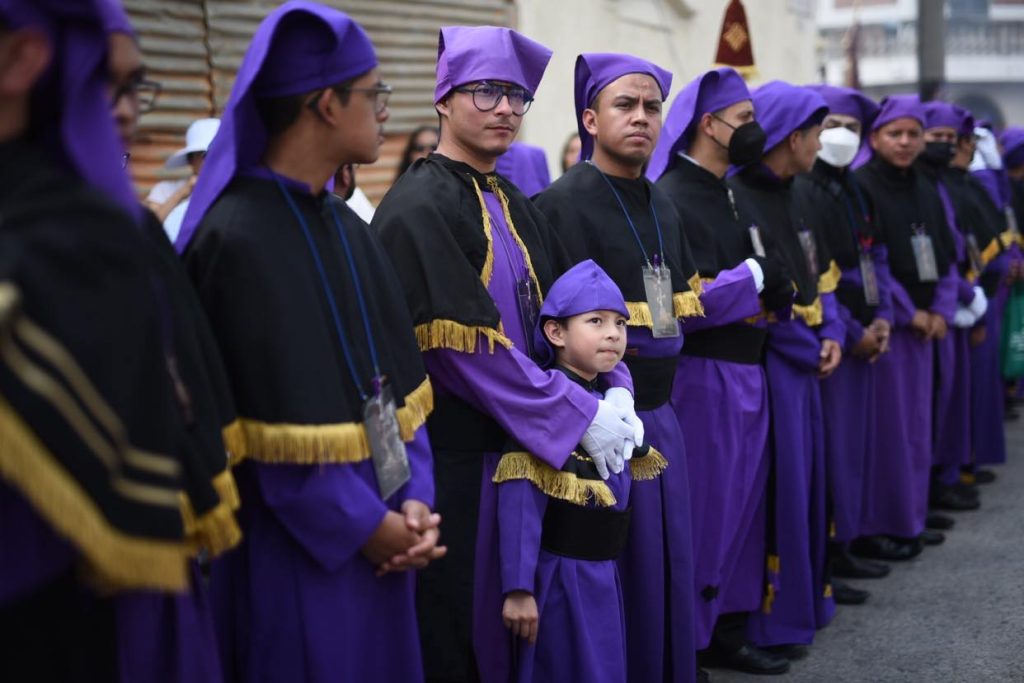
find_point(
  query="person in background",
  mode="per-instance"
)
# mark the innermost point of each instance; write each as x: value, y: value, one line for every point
x: 571, y: 152
x: 346, y: 188
x: 526, y: 167
x: 421, y: 143
x: 168, y: 199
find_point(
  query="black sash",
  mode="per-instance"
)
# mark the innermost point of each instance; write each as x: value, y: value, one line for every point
x: 456, y: 426
x: 652, y: 380
x: 584, y: 533
x: 736, y: 343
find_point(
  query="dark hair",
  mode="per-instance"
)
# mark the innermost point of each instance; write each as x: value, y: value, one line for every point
x: 279, y: 113
x: 565, y: 149
x: 410, y: 144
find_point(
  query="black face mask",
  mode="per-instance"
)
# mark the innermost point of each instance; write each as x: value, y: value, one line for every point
x: 938, y: 153
x: 747, y: 143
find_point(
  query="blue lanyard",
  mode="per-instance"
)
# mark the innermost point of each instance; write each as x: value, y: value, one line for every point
x: 657, y: 225
x: 338, y: 326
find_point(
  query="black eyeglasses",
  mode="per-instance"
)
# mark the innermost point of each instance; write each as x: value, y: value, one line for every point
x: 381, y: 93
x: 144, y: 91
x: 487, y: 96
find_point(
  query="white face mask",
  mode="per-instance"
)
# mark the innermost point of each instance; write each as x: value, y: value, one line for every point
x: 838, y: 146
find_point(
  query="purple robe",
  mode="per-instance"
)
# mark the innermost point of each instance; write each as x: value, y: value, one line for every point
x: 657, y: 563
x: 582, y: 631
x: 848, y: 405
x: 802, y: 601
x: 722, y: 410
x: 988, y: 436
x: 160, y: 637
x: 899, y: 457
x: 297, y: 600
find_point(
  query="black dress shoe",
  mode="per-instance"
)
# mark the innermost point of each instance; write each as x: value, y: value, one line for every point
x: 845, y: 594
x: 984, y: 476
x: 885, y: 548
x: 849, y: 567
x: 752, y: 660
x: 930, y: 537
x: 791, y: 652
x: 939, y: 522
x: 966, y: 490
x: 948, y: 499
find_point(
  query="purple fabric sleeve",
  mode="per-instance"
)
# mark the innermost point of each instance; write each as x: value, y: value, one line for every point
x: 944, y: 301
x: 521, y: 507
x: 964, y: 291
x: 854, y: 330
x: 902, y: 305
x: 731, y: 297
x: 880, y: 255
x: 618, y: 377
x: 542, y: 410
x: 421, y: 465
x: 330, y: 510
x: 832, y: 326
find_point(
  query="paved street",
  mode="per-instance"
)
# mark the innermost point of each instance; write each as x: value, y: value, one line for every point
x: 956, y: 613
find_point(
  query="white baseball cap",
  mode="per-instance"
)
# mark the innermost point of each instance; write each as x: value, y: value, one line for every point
x: 198, y: 137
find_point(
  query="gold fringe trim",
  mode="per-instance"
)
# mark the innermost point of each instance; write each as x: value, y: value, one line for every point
x: 119, y: 560
x: 832, y: 529
x: 492, y: 182
x: 488, y: 269
x: 748, y: 72
x: 769, y: 599
x: 688, y: 304
x: 991, y: 251
x: 234, y: 442
x: 344, y: 442
x: 216, y: 530
x: 648, y: 467
x: 696, y: 283
x: 774, y: 563
x: 829, y: 281
x: 828, y: 590
x: 555, y: 483
x: 448, y: 334
x: 812, y: 314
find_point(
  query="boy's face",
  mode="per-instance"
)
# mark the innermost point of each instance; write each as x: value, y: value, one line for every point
x: 589, y: 343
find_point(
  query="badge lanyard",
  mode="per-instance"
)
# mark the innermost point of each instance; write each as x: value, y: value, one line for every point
x: 387, y: 450
x: 657, y: 277
x: 338, y: 326
x: 868, y: 274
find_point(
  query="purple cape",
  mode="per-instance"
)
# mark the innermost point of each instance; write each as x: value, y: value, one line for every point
x: 475, y: 53
x: 299, y: 47
x: 711, y: 92
x: 595, y: 71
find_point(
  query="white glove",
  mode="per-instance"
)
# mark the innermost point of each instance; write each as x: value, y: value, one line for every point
x: 605, y: 439
x: 758, y: 272
x: 979, y: 304
x: 623, y: 402
x: 987, y: 149
x: 963, y: 318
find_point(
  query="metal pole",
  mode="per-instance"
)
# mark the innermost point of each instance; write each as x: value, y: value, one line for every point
x: 931, y: 47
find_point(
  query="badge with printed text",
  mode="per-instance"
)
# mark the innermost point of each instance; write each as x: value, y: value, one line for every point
x: 870, y: 279
x: 755, y: 240
x: 658, y: 289
x: 1011, y: 220
x: 924, y: 257
x: 390, y: 461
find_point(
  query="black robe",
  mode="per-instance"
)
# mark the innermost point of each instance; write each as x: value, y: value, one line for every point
x: 100, y: 394
x: 901, y: 199
x: 781, y: 217
x: 260, y: 286
x: 977, y: 215
x: 587, y: 217
x: 832, y: 200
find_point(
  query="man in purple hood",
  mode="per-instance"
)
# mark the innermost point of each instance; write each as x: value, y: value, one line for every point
x: 475, y: 259
x: 606, y: 210
x: 334, y: 466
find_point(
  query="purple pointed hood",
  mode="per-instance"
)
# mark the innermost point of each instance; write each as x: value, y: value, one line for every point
x: 783, y: 108
x: 526, y: 167
x: 1012, y: 141
x: 466, y: 54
